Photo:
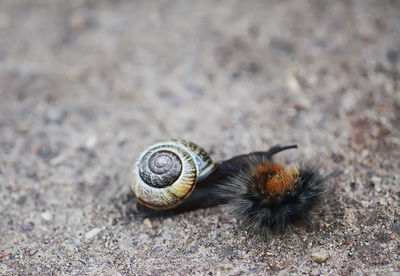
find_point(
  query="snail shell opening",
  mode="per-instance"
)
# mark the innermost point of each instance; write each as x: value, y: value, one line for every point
x: 166, y: 173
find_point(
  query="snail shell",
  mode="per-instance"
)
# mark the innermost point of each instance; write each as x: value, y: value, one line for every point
x: 167, y: 172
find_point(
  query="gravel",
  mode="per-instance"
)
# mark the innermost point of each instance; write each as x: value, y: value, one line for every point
x: 86, y: 85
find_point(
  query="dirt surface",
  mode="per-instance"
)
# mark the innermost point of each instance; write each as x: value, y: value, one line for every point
x: 85, y: 86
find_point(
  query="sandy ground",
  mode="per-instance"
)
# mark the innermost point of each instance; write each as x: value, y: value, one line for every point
x: 85, y: 85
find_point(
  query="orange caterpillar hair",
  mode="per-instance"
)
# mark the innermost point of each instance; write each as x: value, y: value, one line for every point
x: 275, y: 179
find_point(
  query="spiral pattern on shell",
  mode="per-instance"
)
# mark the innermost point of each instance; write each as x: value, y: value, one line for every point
x: 160, y: 169
x: 166, y: 173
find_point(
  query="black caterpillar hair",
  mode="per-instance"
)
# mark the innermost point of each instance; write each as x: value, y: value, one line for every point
x: 271, y: 209
x: 269, y: 196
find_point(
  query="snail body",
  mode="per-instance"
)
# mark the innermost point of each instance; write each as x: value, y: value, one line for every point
x: 166, y: 173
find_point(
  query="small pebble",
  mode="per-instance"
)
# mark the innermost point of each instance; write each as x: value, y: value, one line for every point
x: 90, y: 142
x: 376, y: 180
x: 46, y: 215
x: 349, y: 216
x: 77, y: 22
x: 56, y: 116
x: 320, y: 257
x: 223, y: 266
x: 315, y: 271
x: 28, y: 227
x: 365, y: 203
x: 148, y: 223
x: 293, y: 83
x: 3, y: 255
x: 32, y: 251
x: 112, y: 220
x: 92, y: 233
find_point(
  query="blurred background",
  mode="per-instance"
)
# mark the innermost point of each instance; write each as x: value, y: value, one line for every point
x: 86, y: 85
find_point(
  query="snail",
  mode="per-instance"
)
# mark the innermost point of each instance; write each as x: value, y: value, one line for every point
x: 269, y: 196
x: 167, y: 172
